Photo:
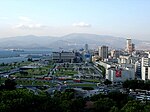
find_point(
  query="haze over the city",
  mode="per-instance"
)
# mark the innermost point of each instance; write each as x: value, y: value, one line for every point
x: 128, y: 18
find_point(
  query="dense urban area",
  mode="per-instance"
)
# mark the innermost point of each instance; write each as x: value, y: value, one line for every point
x: 84, y: 80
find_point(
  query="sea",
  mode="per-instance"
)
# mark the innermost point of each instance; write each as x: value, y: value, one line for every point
x: 19, y: 55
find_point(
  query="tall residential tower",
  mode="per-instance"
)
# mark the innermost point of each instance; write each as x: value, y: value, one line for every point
x: 103, y: 52
x: 130, y: 47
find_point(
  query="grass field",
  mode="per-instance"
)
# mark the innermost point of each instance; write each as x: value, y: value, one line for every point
x: 34, y: 83
x: 82, y: 85
x: 65, y: 73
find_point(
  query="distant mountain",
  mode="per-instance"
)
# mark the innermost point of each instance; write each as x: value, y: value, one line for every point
x: 71, y: 41
x: 29, y: 41
x: 95, y: 40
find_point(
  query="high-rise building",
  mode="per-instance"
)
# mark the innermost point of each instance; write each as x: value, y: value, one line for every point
x: 103, y: 52
x: 130, y: 47
x: 138, y: 69
x: 128, y: 43
x: 86, y: 47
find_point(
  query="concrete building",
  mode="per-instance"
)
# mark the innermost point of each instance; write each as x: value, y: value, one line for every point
x: 130, y: 47
x: 103, y: 52
x: 128, y: 44
x: 145, y: 68
x: 127, y: 59
x: 138, y: 69
x: 86, y: 48
x: 106, y: 65
x: 96, y: 58
x: 111, y: 60
x: 63, y: 56
x: 116, y: 53
x: 120, y: 74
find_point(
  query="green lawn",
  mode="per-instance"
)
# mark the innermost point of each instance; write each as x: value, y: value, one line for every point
x: 34, y: 83
x: 6, y: 68
x: 33, y: 72
x: 82, y: 85
x: 65, y: 73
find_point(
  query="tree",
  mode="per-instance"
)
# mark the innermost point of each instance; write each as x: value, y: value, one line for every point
x: 2, y: 64
x: 119, y: 98
x: 147, y: 108
x: 98, y: 96
x: 107, y: 82
x: 133, y: 106
x: 135, y: 84
x: 10, y: 84
x: 30, y: 59
x: 87, y: 88
x: 65, y: 106
x: 103, y: 105
x: 77, y: 105
x: 114, y: 109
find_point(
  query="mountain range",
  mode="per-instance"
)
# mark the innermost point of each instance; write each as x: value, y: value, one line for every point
x: 71, y: 41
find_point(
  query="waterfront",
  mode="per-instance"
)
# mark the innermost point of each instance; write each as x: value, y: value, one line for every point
x: 9, y: 56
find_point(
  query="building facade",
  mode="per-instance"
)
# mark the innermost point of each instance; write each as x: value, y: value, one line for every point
x: 63, y: 56
x: 103, y: 52
x: 86, y: 48
x: 120, y: 74
x: 130, y: 47
x: 116, y: 53
x: 145, y: 68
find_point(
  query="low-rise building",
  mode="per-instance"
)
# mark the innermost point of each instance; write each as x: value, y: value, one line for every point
x: 63, y: 56
x: 127, y: 59
x: 116, y: 53
x: 117, y: 74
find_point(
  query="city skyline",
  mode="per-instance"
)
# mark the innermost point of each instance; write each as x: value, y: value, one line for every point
x: 129, y: 19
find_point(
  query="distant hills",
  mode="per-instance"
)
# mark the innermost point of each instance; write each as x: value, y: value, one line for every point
x: 71, y: 41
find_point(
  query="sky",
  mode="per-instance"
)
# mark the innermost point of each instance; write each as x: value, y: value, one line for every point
x: 121, y: 18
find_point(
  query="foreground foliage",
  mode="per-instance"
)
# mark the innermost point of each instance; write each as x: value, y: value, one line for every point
x: 23, y: 100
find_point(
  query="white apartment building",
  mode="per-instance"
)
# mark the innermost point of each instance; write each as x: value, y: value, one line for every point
x: 130, y: 46
x: 116, y: 74
x: 145, y: 68
x: 127, y: 59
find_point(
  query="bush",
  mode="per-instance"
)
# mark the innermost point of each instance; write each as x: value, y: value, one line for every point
x: 87, y: 88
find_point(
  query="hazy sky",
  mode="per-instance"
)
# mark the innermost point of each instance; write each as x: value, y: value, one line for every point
x: 124, y: 18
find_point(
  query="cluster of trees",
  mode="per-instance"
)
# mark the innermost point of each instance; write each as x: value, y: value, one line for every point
x: 10, y: 64
x: 137, y: 84
x: 22, y: 100
x: 8, y: 85
x: 30, y: 59
x: 4, y: 64
x: 107, y: 82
